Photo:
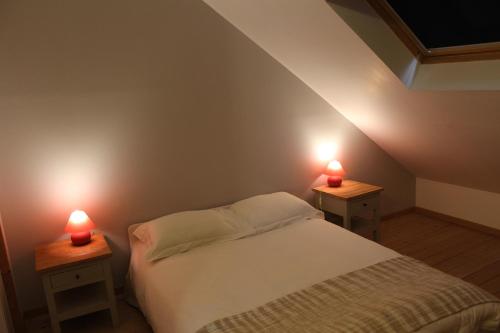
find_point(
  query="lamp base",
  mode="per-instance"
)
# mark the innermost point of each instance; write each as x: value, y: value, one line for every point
x: 80, y: 238
x: 334, y: 181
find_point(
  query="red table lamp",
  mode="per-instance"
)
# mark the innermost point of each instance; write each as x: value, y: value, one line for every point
x: 79, y: 226
x: 335, y: 172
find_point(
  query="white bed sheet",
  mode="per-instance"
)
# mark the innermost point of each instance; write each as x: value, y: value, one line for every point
x: 182, y: 293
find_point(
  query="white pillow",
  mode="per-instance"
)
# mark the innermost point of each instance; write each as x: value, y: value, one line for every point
x: 180, y: 232
x: 270, y: 211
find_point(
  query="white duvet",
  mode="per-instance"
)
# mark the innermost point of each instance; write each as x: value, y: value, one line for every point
x: 182, y: 293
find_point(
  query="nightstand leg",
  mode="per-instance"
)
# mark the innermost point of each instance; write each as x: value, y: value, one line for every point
x: 346, y: 220
x: 110, y: 290
x: 51, y: 303
x: 346, y: 214
x: 376, y: 218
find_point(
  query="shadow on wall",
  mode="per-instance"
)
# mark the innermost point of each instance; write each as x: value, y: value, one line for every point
x: 131, y: 112
x: 355, y: 6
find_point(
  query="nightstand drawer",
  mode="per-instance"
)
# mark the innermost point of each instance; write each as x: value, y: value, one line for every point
x: 330, y: 204
x: 364, y: 205
x: 77, y: 277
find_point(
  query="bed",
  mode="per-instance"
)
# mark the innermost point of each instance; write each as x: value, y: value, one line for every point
x: 225, y: 286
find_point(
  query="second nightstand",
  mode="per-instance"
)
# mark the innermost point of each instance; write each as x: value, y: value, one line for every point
x: 352, y: 199
x: 77, y: 280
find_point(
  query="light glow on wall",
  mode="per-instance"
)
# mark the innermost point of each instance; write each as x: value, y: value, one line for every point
x: 73, y: 179
x: 326, y: 152
x: 74, y: 185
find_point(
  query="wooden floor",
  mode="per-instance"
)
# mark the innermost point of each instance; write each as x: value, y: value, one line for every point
x: 131, y: 321
x: 465, y: 253
x: 468, y: 254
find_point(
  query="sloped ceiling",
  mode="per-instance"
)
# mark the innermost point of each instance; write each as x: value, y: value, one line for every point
x: 448, y: 136
x: 376, y: 33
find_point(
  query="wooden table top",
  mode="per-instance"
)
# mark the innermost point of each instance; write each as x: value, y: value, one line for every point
x: 349, y: 190
x: 62, y: 253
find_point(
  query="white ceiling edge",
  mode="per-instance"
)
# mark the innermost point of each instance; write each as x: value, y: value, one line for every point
x: 367, y: 24
x: 448, y: 136
x: 471, y: 75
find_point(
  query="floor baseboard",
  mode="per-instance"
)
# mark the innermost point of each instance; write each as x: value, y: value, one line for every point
x: 458, y: 221
x: 398, y: 213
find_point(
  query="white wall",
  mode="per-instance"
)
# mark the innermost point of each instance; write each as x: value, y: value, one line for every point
x: 431, y: 133
x: 130, y: 112
x: 465, y: 203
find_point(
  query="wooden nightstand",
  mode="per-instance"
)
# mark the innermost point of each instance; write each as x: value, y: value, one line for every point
x: 77, y: 279
x: 352, y: 199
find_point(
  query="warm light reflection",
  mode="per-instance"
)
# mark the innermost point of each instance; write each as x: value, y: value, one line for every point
x: 326, y: 151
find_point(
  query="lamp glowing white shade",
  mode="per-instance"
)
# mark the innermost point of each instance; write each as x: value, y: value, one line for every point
x: 335, y: 172
x: 79, y: 226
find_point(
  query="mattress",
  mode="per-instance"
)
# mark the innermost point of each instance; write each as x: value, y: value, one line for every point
x: 182, y: 293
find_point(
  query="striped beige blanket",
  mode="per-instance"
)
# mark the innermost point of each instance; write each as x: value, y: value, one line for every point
x: 398, y: 295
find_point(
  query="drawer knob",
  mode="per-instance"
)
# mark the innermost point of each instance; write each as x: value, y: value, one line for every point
x: 77, y: 276
x: 365, y: 204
